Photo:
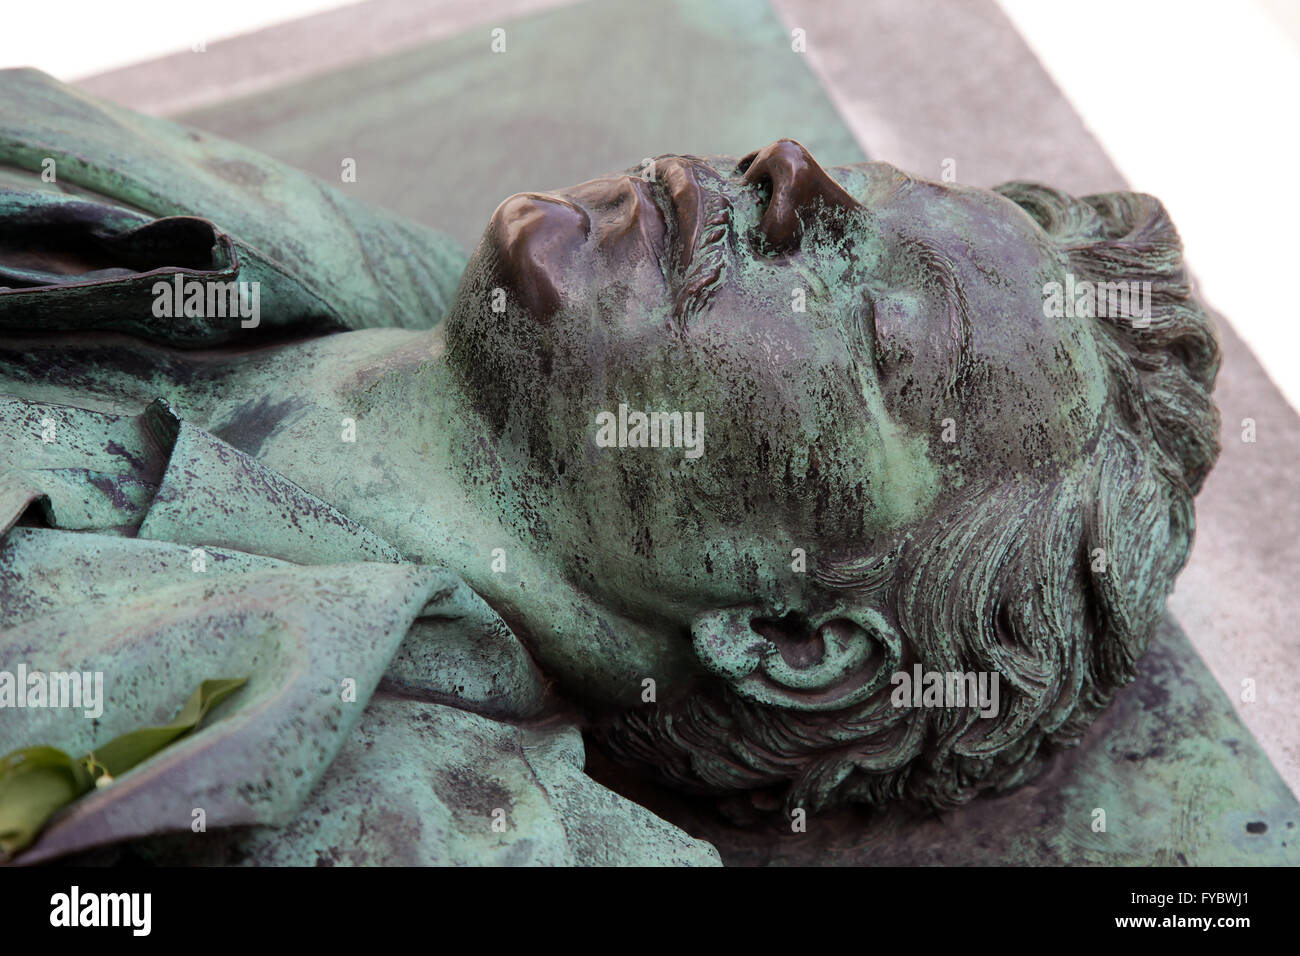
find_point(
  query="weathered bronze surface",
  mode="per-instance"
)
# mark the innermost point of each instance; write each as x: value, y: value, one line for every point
x: 394, y: 505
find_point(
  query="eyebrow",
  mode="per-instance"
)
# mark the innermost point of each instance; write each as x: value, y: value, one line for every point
x: 942, y: 274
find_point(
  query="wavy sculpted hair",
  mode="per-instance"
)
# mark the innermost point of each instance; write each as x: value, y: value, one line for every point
x: 1005, y: 582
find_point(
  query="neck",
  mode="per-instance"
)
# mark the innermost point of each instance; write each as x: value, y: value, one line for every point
x: 427, y: 473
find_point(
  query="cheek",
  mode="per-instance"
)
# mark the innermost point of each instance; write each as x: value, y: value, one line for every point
x: 812, y: 450
x: 1034, y: 399
x: 1073, y: 376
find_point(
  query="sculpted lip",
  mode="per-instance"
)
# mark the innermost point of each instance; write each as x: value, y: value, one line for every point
x: 538, y: 234
x: 686, y: 200
x: 624, y: 215
x: 646, y: 218
x: 627, y: 206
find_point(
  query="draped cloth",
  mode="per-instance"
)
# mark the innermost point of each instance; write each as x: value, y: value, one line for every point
x: 390, y: 716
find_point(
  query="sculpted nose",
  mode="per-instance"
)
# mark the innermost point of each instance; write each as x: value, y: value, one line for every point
x: 797, y: 185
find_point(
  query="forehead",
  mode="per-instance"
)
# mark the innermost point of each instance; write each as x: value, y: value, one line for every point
x: 968, y: 223
x: 999, y: 256
x: 1004, y: 264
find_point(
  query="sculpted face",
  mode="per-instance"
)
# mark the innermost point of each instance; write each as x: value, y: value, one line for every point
x: 861, y: 347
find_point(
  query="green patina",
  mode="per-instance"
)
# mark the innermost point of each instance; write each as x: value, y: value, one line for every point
x: 383, y: 500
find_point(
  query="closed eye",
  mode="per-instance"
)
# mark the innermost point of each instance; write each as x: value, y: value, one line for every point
x: 940, y: 273
x: 894, y: 318
x: 893, y: 322
x: 860, y: 332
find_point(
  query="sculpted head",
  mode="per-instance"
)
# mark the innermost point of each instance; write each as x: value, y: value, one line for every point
x: 906, y: 457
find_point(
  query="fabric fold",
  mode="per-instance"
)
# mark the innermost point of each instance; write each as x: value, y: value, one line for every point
x: 324, y: 262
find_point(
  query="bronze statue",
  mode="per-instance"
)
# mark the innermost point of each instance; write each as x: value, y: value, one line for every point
x: 802, y: 486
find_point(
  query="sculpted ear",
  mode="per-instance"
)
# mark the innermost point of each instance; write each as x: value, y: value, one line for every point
x: 834, y: 660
